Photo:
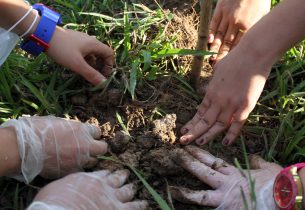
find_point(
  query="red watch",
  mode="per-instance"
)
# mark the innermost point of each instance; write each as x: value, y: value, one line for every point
x: 288, y: 189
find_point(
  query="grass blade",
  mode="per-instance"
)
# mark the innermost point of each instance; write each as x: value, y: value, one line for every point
x: 161, y: 202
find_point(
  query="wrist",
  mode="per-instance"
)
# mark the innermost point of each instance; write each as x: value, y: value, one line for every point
x: 10, y: 162
x: 12, y: 11
x: 39, y: 40
x: 256, y: 51
x: 28, y: 24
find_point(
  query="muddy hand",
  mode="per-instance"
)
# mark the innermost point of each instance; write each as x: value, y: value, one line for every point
x: 231, y: 96
x: 78, y: 51
x: 226, y: 180
x: 100, y: 190
x: 231, y: 19
x: 54, y: 147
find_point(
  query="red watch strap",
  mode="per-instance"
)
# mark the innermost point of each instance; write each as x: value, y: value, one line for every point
x: 39, y: 42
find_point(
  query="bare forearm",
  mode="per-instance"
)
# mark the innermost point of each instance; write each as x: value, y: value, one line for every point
x: 276, y: 32
x: 11, y: 11
x: 9, y: 154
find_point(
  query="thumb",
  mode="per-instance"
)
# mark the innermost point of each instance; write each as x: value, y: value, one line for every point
x: 256, y: 162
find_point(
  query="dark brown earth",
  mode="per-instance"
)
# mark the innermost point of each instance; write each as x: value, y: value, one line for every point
x: 152, y: 137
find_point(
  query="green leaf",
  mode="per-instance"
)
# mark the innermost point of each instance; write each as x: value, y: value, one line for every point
x: 36, y: 93
x: 180, y: 52
x: 119, y: 118
x: 147, y: 59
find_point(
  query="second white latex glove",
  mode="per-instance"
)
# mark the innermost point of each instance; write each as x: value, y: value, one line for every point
x: 53, y: 147
x: 226, y: 180
x: 100, y: 190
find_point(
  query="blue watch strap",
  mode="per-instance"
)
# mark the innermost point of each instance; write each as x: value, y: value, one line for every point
x: 39, y: 40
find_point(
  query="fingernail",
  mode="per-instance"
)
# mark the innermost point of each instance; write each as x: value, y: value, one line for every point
x: 185, y: 130
x: 210, y: 38
x: 200, y: 142
x: 225, y: 142
x: 184, y: 140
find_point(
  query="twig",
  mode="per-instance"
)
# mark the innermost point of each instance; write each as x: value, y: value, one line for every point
x: 203, y: 33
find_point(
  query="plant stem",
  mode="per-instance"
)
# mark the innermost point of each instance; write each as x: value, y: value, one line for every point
x: 203, y: 33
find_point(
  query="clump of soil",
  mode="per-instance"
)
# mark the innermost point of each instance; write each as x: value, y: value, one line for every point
x: 164, y: 128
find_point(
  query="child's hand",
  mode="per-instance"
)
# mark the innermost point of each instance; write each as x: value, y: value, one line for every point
x: 231, y: 19
x: 232, y: 94
x: 75, y: 50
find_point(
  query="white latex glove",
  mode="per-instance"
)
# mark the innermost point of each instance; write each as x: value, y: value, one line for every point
x: 53, y: 147
x: 226, y: 180
x: 89, y: 191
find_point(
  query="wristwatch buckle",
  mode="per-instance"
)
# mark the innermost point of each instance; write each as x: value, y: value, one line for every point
x: 39, y: 42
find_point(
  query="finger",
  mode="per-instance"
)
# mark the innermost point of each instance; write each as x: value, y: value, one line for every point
x: 231, y: 33
x: 210, y: 160
x: 97, y: 148
x: 89, y: 73
x: 217, y: 128
x: 233, y: 133
x: 227, y: 42
x: 203, y: 198
x: 126, y: 193
x: 201, y: 110
x: 202, y: 125
x: 185, y: 129
x: 216, y: 18
x: 118, y: 178
x: 100, y: 173
x: 237, y: 39
x: 223, y: 50
x: 218, y: 40
x: 257, y: 162
x: 93, y: 130
x: 105, y: 57
x: 135, y: 205
x: 200, y: 170
x: 239, y: 120
x: 90, y: 163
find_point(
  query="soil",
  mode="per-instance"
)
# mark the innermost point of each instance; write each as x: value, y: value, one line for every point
x: 152, y: 139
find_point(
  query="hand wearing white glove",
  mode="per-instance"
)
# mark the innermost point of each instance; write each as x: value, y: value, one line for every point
x: 226, y: 180
x: 53, y: 147
x: 89, y: 191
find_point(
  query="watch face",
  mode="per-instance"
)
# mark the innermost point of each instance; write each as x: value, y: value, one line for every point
x: 283, y: 191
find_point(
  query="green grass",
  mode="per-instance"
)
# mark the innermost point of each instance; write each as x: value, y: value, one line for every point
x: 144, y: 52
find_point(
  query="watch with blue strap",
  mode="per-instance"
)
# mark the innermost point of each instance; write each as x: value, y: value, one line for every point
x: 40, y: 39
